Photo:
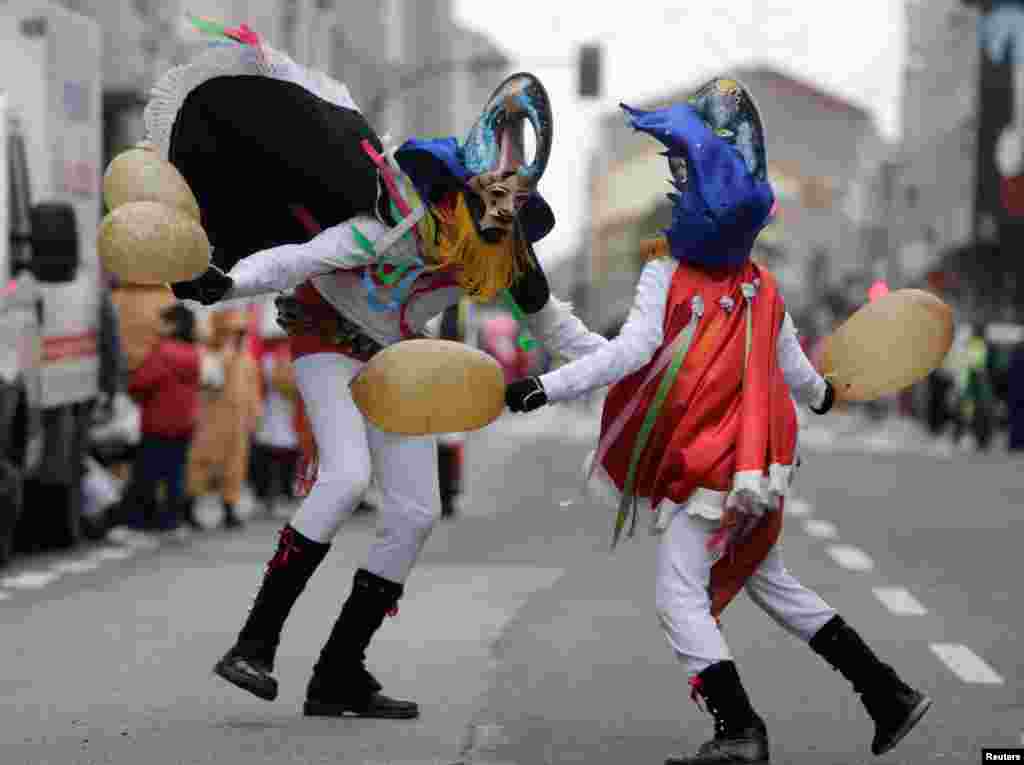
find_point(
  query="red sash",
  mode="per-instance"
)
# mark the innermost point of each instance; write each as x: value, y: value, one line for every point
x: 717, y: 421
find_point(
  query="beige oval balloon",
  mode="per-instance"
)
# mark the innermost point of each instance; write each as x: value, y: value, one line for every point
x: 888, y: 345
x: 419, y: 387
x: 141, y: 175
x: 151, y: 243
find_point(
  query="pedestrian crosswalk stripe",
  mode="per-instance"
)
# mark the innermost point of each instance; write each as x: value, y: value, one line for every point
x: 76, y: 566
x: 113, y: 553
x: 966, y: 664
x: 852, y: 558
x: 798, y: 507
x: 899, y: 601
x: 821, y: 529
x: 30, y: 580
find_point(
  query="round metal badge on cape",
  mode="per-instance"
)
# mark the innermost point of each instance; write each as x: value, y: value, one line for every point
x: 420, y: 387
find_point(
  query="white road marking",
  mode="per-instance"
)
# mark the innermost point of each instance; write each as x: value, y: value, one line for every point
x: 113, y: 553
x: 966, y: 664
x: 143, y: 543
x: 131, y: 538
x: 821, y: 529
x: 798, y: 507
x: 852, y: 558
x: 5, y: 595
x: 30, y: 580
x: 900, y: 601
x: 76, y: 566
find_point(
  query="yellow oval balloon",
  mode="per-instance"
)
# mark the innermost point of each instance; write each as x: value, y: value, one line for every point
x: 888, y: 345
x: 141, y: 175
x: 151, y: 243
x: 419, y: 387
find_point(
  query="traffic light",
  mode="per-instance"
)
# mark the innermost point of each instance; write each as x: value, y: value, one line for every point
x: 590, y: 71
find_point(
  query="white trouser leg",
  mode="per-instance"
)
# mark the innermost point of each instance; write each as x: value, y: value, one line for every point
x: 796, y: 609
x: 405, y: 468
x: 342, y: 445
x: 682, y: 600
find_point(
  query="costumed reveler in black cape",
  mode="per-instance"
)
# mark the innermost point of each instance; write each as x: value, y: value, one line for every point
x: 296, y: 191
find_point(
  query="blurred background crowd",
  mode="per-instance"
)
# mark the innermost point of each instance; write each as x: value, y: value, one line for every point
x: 120, y: 409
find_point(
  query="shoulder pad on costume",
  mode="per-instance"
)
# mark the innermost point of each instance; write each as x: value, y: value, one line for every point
x: 531, y: 290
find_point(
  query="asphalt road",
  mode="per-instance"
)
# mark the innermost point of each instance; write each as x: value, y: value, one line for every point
x: 524, y: 640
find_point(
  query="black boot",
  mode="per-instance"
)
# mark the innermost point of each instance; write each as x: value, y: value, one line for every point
x: 250, y: 661
x: 894, y: 706
x: 740, y: 734
x: 341, y: 685
x: 188, y: 513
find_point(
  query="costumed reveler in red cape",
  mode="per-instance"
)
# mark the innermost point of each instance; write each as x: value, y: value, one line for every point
x: 297, y: 192
x: 700, y: 427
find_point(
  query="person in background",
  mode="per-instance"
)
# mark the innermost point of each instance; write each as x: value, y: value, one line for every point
x: 219, y: 458
x: 166, y: 388
x: 976, y: 395
x: 1015, y: 398
x: 275, y: 448
x: 112, y: 373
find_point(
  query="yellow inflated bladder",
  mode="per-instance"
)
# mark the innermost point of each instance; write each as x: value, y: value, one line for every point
x: 421, y: 387
x: 152, y: 243
x: 888, y: 345
x: 153, y: 233
x: 141, y: 175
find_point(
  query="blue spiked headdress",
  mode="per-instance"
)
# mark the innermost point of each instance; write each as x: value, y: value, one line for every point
x: 716, y: 153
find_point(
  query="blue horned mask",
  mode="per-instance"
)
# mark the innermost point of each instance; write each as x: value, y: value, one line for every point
x: 716, y: 154
x: 494, y: 152
x: 496, y: 141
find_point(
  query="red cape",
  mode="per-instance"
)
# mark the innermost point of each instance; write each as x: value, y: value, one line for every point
x: 718, y: 422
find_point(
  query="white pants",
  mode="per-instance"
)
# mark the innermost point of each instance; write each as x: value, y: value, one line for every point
x: 350, y: 451
x: 684, y: 605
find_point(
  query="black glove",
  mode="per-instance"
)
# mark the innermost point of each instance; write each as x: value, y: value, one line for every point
x: 525, y: 395
x: 830, y: 399
x: 209, y: 288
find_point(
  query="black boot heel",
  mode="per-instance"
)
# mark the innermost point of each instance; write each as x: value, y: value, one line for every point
x: 248, y: 674
x: 894, y: 706
x: 341, y: 686
x: 249, y: 663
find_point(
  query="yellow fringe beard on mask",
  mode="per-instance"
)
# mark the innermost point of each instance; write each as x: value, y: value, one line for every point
x: 482, y: 269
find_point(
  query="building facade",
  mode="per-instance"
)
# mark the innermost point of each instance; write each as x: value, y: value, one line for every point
x: 409, y: 66
x: 930, y: 183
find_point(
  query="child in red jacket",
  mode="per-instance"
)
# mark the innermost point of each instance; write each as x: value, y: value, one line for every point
x: 166, y: 388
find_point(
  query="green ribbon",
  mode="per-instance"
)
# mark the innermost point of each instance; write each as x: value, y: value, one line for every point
x: 364, y: 244
x: 629, y: 500
x: 205, y: 25
x: 525, y: 342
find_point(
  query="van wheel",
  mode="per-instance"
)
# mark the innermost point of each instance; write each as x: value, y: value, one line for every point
x: 10, y: 509
x: 54, y: 242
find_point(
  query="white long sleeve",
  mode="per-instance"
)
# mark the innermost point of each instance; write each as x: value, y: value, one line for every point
x: 801, y: 376
x: 282, y: 268
x: 559, y: 330
x: 639, y: 339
